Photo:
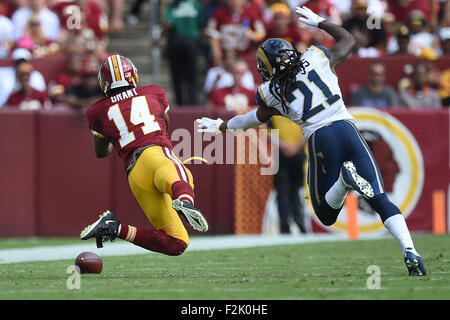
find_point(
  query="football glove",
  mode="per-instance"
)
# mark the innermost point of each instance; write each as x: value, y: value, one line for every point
x: 309, y: 17
x: 209, y: 125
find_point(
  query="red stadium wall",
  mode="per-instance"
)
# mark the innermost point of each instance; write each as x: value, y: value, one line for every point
x: 19, y: 168
x: 52, y: 184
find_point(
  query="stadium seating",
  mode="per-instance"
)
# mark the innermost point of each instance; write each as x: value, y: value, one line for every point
x: 50, y: 67
x: 351, y: 73
x: 354, y: 71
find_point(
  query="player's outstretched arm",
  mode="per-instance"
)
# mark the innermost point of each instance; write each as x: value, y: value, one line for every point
x: 245, y: 121
x: 344, y: 40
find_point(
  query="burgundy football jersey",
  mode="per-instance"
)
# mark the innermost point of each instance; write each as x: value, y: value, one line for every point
x: 131, y: 119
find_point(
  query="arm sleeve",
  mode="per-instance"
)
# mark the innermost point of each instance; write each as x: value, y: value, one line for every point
x: 260, y: 99
x: 93, y: 124
x: 244, y: 121
x: 265, y: 99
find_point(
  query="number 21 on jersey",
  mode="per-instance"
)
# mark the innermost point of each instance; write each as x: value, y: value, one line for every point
x: 140, y: 113
x: 301, y: 88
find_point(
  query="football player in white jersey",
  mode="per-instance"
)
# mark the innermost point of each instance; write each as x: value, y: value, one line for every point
x: 304, y: 88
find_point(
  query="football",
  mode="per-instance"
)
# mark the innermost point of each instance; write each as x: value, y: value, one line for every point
x: 89, y: 262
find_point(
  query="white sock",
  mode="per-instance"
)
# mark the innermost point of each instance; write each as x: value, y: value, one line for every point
x: 335, y: 197
x: 398, y: 228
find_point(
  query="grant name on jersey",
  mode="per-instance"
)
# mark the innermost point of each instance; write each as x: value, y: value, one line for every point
x: 124, y: 95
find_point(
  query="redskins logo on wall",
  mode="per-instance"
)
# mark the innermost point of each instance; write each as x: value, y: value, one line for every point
x: 400, y: 161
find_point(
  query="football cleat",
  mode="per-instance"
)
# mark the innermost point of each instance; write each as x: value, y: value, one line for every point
x: 353, y: 181
x: 191, y: 214
x: 104, y: 229
x: 414, y: 263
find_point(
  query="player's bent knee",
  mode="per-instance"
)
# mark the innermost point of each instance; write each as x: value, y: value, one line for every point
x: 176, y: 240
x: 178, y: 247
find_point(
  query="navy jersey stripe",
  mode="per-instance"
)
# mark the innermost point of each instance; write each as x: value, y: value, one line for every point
x: 324, y: 50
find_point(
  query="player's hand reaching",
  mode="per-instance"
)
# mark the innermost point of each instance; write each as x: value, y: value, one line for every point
x: 209, y: 125
x: 309, y: 17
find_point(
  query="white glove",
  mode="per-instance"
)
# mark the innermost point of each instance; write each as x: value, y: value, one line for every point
x: 209, y: 125
x: 309, y: 17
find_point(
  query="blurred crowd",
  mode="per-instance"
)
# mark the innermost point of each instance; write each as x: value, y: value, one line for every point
x: 31, y: 29
x: 231, y: 30
x: 225, y: 33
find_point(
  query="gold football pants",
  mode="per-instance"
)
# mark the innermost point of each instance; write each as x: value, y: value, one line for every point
x: 151, y: 182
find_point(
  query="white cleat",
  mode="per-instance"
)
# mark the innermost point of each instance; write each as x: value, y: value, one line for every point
x: 191, y: 214
x: 353, y: 181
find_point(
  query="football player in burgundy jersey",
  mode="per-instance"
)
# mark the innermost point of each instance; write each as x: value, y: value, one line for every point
x: 134, y: 121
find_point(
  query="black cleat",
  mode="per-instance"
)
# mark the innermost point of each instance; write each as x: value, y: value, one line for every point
x: 104, y: 229
x: 194, y: 216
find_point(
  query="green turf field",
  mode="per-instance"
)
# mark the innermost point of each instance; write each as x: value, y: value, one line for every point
x: 331, y: 270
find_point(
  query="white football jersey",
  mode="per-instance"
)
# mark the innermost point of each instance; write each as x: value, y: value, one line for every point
x: 316, y: 99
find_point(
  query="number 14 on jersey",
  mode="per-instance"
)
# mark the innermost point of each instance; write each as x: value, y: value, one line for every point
x: 140, y: 113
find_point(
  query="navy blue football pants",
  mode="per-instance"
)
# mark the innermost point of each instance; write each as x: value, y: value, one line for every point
x: 329, y: 147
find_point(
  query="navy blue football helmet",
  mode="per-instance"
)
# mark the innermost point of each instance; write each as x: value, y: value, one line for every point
x: 270, y: 56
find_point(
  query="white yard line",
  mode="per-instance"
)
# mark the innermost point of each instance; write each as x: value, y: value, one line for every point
x: 121, y: 248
